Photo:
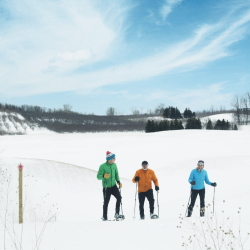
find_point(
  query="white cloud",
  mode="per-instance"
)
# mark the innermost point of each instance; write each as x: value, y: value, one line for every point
x: 79, y: 56
x: 39, y: 34
x: 41, y: 58
x: 168, y: 7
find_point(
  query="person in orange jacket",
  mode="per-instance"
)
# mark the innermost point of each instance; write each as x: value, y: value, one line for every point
x: 144, y: 177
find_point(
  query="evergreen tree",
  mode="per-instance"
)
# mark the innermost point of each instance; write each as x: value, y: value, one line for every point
x: 153, y: 126
x: 160, y: 126
x: 217, y: 125
x: 185, y: 113
x: 166, y: 113
x: 193, y: 123
x: 209, y: 125
x: 188, y: 113
x: 166, y: 125
x: 148, y: 127
x: 171, y: 112
x: 223, y: 125
x: 171, y: 126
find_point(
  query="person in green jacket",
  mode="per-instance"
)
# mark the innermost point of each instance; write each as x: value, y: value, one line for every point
x: 109, y: 175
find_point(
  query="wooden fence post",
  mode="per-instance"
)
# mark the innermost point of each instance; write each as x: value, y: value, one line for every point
x: 20, y: 169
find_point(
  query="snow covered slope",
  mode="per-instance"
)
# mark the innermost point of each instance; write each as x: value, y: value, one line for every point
x: 14, y: 123
x: 226, y: 117
x: 60, y: 170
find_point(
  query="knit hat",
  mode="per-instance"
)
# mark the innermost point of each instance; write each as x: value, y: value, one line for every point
x: 109, y: 156
x: 144, y: 163
x: 200, y: 162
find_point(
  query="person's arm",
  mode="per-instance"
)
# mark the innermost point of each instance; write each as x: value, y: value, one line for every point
x: 100, y: 173
x: 117, y: 177
x: 155, y: 180
x: 136, y: 174
x: 191, y: 177
x: 207, y: 180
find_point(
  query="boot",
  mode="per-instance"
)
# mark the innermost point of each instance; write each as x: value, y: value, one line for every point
x: 202, y: 212
x: 190, y: 211
x: 104, y: 217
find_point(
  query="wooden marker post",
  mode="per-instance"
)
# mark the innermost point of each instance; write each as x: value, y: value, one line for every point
x: 20, y: 169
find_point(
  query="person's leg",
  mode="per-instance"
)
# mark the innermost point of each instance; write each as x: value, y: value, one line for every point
x: 202, y: 202
x: 141, y: 197
x: 150, y: 197
x: 115, y: 192
x: 194, y: 194
x: 106, y: 198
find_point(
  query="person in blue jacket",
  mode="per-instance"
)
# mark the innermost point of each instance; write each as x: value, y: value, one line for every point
x: 197, y: 178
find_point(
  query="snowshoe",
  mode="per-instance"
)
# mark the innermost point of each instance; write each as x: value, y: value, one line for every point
x: 154, y: 216
x: 119, y: 216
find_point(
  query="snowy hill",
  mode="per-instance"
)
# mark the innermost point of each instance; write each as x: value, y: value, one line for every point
x: 60, y: 174
x: 13, y: 123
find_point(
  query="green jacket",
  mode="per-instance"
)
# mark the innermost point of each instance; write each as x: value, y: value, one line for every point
x: 111, y: 169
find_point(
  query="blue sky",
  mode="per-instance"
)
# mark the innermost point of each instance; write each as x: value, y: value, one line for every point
x: 124, y: 54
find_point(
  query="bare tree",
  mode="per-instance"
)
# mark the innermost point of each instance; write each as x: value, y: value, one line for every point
x: 236, y: 104
x: 111, y: 111
x: 245, y: 110
x: 159, y: 109
x: 135, y: 111
x: 67, y: 108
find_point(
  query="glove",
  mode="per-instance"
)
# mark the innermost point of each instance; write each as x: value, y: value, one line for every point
x: 137, y: 178
x: 119, y: 183
x: 106, y: 176
x: 214, y: 184
x: 193, y: 183
x: 157, y: 188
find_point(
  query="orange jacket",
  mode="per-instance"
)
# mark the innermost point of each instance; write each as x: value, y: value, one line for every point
x: 146, y: 178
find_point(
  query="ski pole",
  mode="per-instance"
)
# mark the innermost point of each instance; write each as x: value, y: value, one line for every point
x: 158, y: 205
x: 135, y: 198
x: 188, y: 202
x: 213, y: 201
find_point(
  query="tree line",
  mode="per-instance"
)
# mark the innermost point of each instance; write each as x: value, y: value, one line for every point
x: 156, y: 126
x: 221, y: 125
x: 67, y: 108
x: 192, y: 123
x: 174, y: 113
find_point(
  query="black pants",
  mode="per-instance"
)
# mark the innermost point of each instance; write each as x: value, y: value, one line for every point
x: 194, y: 194
x: 106, y: 195
x: 150, y: 196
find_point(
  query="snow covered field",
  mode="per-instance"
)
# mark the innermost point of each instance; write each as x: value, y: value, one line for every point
x: 60, y: 175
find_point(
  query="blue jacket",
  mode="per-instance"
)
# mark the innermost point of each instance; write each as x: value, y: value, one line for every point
x: 199, y: 178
